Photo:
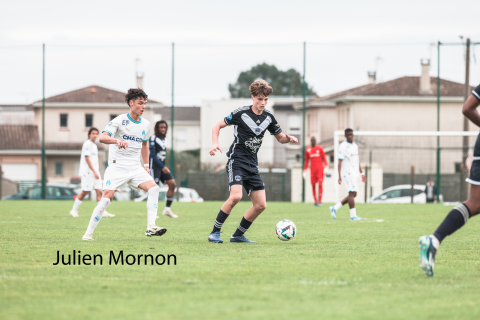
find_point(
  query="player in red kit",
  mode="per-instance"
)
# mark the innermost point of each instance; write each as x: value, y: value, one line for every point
x: 318, y: 162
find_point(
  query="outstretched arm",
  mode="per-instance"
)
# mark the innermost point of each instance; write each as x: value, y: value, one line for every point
x: 215, y: 133
x: 285, y: 138
x: 470, y: 109
x: 107, y: 139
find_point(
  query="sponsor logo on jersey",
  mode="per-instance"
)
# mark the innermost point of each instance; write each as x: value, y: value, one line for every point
x: 126, y: 137
x: 152, y: 143
x: 238, y: 178
x: 253, y: 144
x: 125, y: 122
x: 110, y: 124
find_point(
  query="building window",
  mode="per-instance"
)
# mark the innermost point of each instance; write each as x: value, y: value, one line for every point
x: 113, y: 116
x: 63, y: 120
x: 59, y: 168
x: 88, y: 120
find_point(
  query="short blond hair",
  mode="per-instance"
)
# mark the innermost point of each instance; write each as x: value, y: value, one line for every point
x: 260, y: 87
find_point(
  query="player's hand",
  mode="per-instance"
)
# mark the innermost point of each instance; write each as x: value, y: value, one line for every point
x: 304, y: 174
x: 165, y: 170
x: 214, y: 149
x: 339, y: 180
x: 363, y: 178
x: 325, y: 171
x: 147, y: 169
x: 96, y: 175
x: 122, y: 144
x: 469, y: 161
x: 291, y: 139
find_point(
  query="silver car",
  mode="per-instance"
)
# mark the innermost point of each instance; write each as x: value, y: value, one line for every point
x: 401, y: 194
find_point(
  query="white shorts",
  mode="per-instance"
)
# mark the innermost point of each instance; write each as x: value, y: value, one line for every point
x: 116, y: 176
x: 89, y: 183
x: 350, y: 182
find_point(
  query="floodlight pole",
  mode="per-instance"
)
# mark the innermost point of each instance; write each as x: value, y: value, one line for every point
x: 172, y: 115
x: 438, y: 119
x: 43, y: 127
x: 303, y: 126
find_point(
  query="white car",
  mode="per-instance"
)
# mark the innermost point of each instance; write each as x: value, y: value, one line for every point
x: 185, y: 195
x: 401, y: 194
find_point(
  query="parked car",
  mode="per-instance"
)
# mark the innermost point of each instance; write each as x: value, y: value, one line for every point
x: 54, y: 192
x: 401, y: 194
x: 185, y: 195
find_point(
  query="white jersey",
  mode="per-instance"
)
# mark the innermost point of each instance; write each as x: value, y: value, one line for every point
x: 348, y: 153
x: 133, y: 132
x: 89, y: 149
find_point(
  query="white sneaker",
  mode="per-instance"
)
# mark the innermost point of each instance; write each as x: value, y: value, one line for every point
x: 107, y: 215
x: 74, y: 213
x: 168, y: 212
x: 87, y: 237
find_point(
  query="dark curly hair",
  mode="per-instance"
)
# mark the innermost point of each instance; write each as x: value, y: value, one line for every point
x: 134, y: 94
x: 157, y: 127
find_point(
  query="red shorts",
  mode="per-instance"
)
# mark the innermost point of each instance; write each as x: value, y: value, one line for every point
x: 316, y: 176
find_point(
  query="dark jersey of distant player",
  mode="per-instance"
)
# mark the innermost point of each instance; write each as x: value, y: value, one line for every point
x: 158, y: 153
x: 249, y: 131
x: 475, y: 169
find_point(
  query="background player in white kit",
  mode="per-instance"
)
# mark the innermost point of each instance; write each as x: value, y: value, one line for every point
x: 348, y: 171
x: 89, y: 172
x: 127, y: 136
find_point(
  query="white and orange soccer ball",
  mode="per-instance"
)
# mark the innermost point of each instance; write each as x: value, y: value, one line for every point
x: 285, y: 230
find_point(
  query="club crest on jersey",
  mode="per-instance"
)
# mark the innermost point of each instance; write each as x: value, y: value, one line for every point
x: 125, y: 137
x: 125, y: 122
x: 257, y: 130
x: 143, y: 132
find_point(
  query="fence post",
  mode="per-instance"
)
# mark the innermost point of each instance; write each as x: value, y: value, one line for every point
x: 366, y: 183
x: 1, y: 182
x: 412, y: 181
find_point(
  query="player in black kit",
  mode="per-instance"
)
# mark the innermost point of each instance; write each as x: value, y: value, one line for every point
x: 250, y: 123
x: 158, y: 170
x: 456, y: 218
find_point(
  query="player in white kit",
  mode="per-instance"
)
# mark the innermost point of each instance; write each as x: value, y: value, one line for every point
x: 349, y: 170
x: 127, y: 136
x: 89, y: 172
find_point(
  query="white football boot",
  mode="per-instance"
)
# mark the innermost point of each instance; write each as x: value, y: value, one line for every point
x: 87, y: 237
x: 155, y: 231
x: 168, y: 212
x: 107, y: 215
x: 74, y: 213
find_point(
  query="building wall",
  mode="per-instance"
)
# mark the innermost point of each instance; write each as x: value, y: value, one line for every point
x: 20, y: 117
x: 69, y: 168
x: 285, y: 155
x: 21, y: 159
x: 187, y: 136
x: 214, y: 111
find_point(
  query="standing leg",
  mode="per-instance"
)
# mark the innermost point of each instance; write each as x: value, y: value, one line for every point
x: 98, y: 213
x: 233, y: 199
x: 351, y: 205
x: 77, y: 203
x: 259, y: 204
x: 314, y: 191
x: 152, y: 208
x: 99, y: 196
x: 320, y: 191
x: 455, y: 219
x: 170, y: 196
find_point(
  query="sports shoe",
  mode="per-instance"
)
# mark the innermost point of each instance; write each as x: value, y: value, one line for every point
x: 333, y: 212
x: 242, y: 238
x: 427, y: 255
x: 87, y: 237
x: 74, y: 213
x: 356, y: 218
x: 319, y: 204
x: 107, y: 215
x: 155, y: 231
x: 215, y: 237
x: 168, y: 212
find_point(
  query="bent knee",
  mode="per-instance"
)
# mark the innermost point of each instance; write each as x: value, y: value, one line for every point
x: 234, y: 199
x: 261, y: 206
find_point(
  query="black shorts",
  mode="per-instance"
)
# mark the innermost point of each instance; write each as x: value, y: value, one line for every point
x: 158, y: 175
x: 475, y: 169
x: 244, y: 174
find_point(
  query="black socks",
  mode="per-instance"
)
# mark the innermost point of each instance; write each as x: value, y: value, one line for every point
x: 242, y: 228
x: 169, y: 202
x: 453, y: 221
x: 221, y: 217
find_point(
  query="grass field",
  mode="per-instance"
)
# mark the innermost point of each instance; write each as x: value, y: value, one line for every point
x: 330, y: 270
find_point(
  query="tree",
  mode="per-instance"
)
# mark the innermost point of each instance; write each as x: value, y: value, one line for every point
x: 284, y: 83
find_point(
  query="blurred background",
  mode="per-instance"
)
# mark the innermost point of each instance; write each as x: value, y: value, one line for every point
x: 370, y: 65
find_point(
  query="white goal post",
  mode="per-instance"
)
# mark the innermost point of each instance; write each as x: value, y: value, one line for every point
x: 340, y: 134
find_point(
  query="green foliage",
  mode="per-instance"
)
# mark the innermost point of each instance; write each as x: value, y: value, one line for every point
x: 332, y: 269
x: 284, y: 83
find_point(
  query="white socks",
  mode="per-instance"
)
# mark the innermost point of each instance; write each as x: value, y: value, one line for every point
x: 76, y: 204
x: 97, y: 214
x: 152, y: 205
x: 353, y: 213
x: 337, y: 206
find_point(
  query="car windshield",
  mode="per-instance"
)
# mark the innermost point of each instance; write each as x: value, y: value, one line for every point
x: 194, y: 194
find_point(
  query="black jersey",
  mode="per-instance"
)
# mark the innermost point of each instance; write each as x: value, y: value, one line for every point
x: 158, y: 148
x: 249, y: 131
x: 476, y: 92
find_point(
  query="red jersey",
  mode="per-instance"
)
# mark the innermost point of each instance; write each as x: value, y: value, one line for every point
x: 317, y: 158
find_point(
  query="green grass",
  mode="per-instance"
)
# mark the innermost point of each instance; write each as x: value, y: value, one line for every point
x: 330, y: 270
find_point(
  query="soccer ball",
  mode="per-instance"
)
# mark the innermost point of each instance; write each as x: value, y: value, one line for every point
x: 285, y: 230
